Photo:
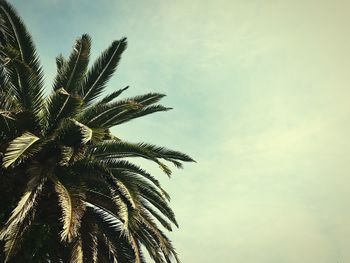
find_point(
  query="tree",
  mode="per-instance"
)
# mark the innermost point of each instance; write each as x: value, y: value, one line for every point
x: 68, y: 187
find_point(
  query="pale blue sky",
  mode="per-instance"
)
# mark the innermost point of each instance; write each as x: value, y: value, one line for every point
x: 260, y: 91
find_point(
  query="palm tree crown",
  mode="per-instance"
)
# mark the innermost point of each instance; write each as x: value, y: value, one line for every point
x: 69, y: 189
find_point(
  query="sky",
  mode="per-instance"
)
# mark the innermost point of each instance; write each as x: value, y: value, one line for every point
x: 260, y: 91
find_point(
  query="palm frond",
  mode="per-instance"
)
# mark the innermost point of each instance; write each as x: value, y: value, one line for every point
x: 17, y: 37
x: 61, y: 105
x: 6, y: 114
x: 112, y: 96
x: 106, y: 250
x: 112, y: 203
x: 119, y: 149
x: 131, y: 114
x: 149, y: 229
x: 97, y: 169
x: 113, y: 234
x: 73, y: 209
x: 88, y: 233
x: 72, y: 72
x: 27, y: 89
x: 154, y: 213
x: 19, y: 148
x: 72, y: 132
x: 166, y: 154
x: 158, y: 202
x: 123, y: 209
x: 60, y: 63
x: 100, y: 114
x: 102, y: 70
x: 147, y: 240
x: 76, y: 251
x: 126, y: 166
x: 109, y: 209
x: 136, y: 248
x: 22, y: 215
x: 6, y: 99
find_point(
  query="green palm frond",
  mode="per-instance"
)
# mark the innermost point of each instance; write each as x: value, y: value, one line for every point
x: 146, y: 193
x: 6, y: 128
x: 102, y: 70
x: 27, y: 89
x: 158, y: 245
x: 119, y: 149
x: 72, y: 72
x: 61, y: 105
x: 24, y: 71
x: 97, y: 169
x: 166, y: 154
x: 137, y: 249
x: 116, y: 165
x: 17, y: 37
x: 110, y: 202
x: 110, y: 114
x: 72, y: 132
x: 147, y: 240
x: 159, y: 203
x: 19, y: 148
x: 6, y: 100
x: 106, y: 250
x: 113, y: 233
x: 122, y: 190
x: 112, y: 96
x: 146, y: 207
x: 131, y: 114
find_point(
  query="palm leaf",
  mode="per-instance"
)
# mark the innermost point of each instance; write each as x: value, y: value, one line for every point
x: 102, y: 70
x: 166, y: 154
x: 100, y: 114
x: 76, y: 252
x: 22, y: 215
x: 158, y: 202
x: 88, y: 233
x: 61, y: 105
x: 71, y: 72
x: 131, y: 114
x: 27, y: 89
x: 72, y: 210
x: 111, y: 203
x: 113, y: 233
x: 72, y: 132
x: 19, y: 38
x: 26, y: 74
x: 119, y: 149
x: 60, y: 63
x: 155, y: 214
x: 126, y: 166
x: 112, y: 96
x: 19, y: 148
x: 93, y: 168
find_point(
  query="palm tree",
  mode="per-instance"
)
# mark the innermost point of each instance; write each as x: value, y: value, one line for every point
x: 69, y: 189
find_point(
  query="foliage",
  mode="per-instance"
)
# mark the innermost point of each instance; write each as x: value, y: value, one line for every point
x: 69, y: 189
